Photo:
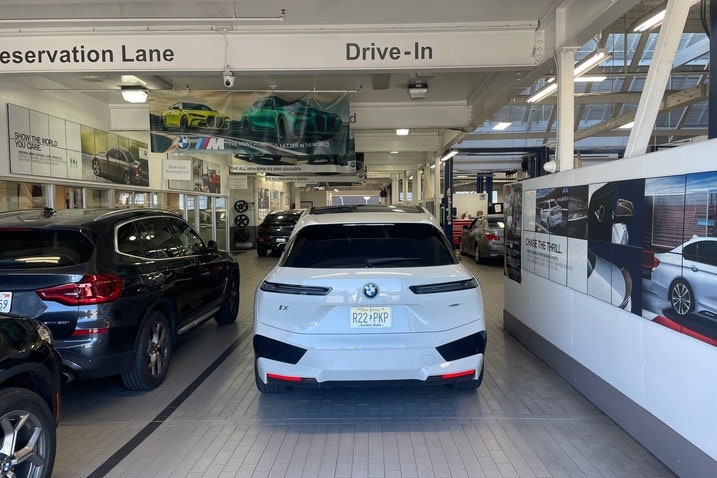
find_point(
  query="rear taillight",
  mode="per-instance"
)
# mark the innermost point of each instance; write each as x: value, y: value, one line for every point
x: 492, y: 237
x: 91, y: 289
x: 655, y: 263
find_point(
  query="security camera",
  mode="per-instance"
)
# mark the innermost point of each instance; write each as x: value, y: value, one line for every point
x: 228, y: 78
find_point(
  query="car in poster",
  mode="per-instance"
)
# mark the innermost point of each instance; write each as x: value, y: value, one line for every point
x: 185, y: 115
x: 550, y: 213
x: 289, y: 120
x: 687, y: 277
x: 119, y: 165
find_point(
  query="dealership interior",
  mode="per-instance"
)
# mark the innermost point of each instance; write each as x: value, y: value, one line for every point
x: 439, y: 101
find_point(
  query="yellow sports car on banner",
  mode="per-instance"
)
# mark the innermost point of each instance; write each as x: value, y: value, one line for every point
x: 185, y: 115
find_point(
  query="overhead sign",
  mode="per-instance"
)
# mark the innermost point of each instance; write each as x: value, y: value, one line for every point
x: 263, y: 51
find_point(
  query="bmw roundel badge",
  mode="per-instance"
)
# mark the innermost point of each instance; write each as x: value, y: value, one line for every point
x: 370, y: 290
x: 183, y: 142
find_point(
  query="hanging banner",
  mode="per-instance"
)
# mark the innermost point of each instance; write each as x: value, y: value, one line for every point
x: 257, y: 127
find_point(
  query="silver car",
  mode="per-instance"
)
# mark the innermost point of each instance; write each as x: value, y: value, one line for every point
x: 484, y: 238
x: 687, y: 277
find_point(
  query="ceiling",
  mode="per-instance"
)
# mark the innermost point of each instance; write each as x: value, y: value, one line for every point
x: 486, y: 94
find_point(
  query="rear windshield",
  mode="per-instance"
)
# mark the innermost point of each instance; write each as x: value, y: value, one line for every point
x: 496, y: 223
x: 285, y: 217
x: 367, y: 245
x: 32, y: 248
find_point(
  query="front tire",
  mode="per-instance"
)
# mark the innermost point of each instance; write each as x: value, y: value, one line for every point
x: 126, y: 179
x: 682, y: 299
x: 152, y: 354
x: 261, y: 251
x: 28, y: 435
x: 230, y: 306
x: 96, y: 167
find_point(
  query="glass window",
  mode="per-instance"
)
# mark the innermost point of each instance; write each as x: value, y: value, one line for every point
x: 368, y: 245
x: 28, y: 248
x: 191, y: 241
x: 16, y: 195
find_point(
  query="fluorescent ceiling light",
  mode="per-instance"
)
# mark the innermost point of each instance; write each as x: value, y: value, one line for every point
x: 591, y: 61
x: 393, y: 152
x: 654, y: 19
x: 401, y: 131
x: 134, y: 94
x: 590, y: 78
x: 586, y: 64
x: 449, y: 155
x: 500, y: 126
x: 628, y: 125
x: 542, y: 93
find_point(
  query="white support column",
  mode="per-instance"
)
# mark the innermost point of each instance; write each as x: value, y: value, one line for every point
x: 437, y: 186
x: 417, y: 185
x: 564, y: 153
x: 668, y: 41
x: 395, y: 184
x: 404, y: 187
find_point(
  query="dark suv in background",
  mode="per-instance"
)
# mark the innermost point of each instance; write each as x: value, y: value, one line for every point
x: 116, y: 287
x: 29, y: 397
x: 275, y: 230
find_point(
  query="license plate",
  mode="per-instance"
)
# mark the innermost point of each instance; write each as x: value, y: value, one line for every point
x: 5, y: 301
x: 370, y: 317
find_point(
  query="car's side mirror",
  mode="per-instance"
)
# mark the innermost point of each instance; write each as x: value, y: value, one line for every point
x: 212, y: 246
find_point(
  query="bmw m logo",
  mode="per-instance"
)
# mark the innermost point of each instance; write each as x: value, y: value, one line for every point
x: 370, y: 290
x: 183, y: 142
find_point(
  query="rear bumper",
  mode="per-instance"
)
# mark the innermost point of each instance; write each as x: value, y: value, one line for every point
x: 86, y: 367
x: 448, y: 358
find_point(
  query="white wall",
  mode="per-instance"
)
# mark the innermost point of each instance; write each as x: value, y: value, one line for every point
x: 671, y: 375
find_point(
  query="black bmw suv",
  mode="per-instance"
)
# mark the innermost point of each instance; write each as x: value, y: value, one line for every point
x: 275, y: 229
x: 115, y: 287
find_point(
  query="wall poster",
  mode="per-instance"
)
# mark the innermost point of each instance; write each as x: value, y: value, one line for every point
x: 648, y: 246
x: 44, y: 145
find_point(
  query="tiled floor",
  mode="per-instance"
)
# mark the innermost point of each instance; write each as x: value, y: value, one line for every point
x: 208, y: 419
